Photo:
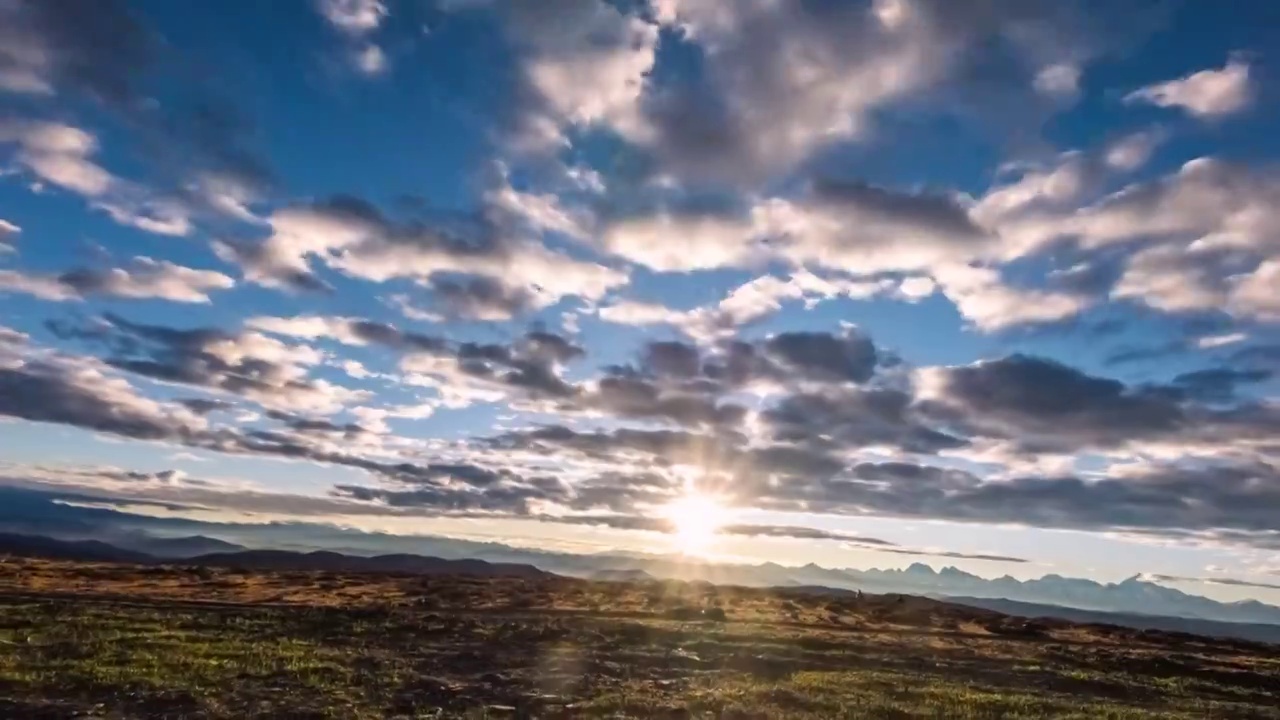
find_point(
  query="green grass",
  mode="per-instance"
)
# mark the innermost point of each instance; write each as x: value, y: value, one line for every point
x: 162, y: 658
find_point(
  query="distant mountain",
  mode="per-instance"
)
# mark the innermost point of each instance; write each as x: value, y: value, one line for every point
x: 337, y: 562
x: 1209, y: 628
x: 95, y: 551
x: 622, y: 576
x: 1133, y: 595
x: 81, y: 550
x: 178, y: 547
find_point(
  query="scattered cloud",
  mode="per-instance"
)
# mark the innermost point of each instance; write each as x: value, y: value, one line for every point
x: 1203, y: 94
x: 143, y: 278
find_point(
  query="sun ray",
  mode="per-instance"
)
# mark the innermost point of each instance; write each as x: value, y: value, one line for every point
x: 696, y: 520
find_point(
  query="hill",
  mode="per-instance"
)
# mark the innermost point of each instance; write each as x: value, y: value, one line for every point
x: 94, y: 551
x: 168, y: 641
x: 1207, y: 628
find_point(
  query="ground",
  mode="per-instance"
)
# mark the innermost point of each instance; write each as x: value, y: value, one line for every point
x: 114, y: 641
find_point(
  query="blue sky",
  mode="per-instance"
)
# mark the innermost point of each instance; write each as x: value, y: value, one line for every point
x: 975, y: 278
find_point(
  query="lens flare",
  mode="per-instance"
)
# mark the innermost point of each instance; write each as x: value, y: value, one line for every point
x: 696, y: 520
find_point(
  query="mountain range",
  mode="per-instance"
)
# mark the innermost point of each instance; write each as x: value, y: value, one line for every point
x: 95, y: 551
x: 1133, y: 596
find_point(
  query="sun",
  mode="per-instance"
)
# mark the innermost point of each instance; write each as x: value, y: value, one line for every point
x: 696, y: 520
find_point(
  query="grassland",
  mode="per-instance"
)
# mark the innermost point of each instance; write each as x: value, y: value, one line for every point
x: 111, y: 641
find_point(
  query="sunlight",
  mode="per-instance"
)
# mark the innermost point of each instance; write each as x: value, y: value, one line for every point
x: 696, y: 519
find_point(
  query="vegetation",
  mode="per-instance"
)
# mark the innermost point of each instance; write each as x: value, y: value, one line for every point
x: 118, y: 641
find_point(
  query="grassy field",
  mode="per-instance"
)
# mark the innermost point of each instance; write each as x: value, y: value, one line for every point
x: 127, y: 642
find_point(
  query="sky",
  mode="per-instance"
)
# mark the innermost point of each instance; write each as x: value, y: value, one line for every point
x: 986, y: 283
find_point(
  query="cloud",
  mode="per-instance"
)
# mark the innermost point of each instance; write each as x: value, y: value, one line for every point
x: 823, y: 411
x: 355, y: 20
x: 59, y: 154
x: 1204, y: 94
x: 1043, y: 404
x: 822, y: 356
x: 753, y: 301
x: 144, y: 278
x: 353, y: 16
x: 584, y: 62
x: 8, y: 235
x: 355, y: 238
x: 252, y: 365
x: 681, y: 243
x: 80, y: 395
x: 1134, y: 150
x: 781, y: 81
x: 479, y: 297
x: 855, y: 419
x: 1193, y: 240
x: 98, y: 48
x: 1218, y: 384
x: 981, y: 296
x: 1214, y: 341
x: 1233, y: 582
x: 461, y: 372
x: 370, y: 60
x: 861, y: 228
x: 103, y: 51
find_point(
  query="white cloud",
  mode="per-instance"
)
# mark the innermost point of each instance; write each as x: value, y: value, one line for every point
x: 1059, y: 81
x: 353, y: 16
x: 310, y: 327
x: 1133, y: 151
x: 587, y: 61
x: 1206, y: 200
x: 673, y: 243
x: 370, y: 60
x: 58, y: 154
x: 632, y: 312
x: 357, y: 242
x: 8, y: 233
x: 982, y: 297
x: 1257, y: 295
x: 62, y: 155
x: 1213, y: 341
x: 143, y: 278
x: 1204, y: 94
x: 752, y: 301
x: 1169, y: 278
x: 864, y: 229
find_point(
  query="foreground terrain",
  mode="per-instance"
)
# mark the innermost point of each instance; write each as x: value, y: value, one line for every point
x: 121, y: 641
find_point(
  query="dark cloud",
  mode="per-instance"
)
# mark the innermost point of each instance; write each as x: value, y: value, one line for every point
x: 100, y: 48
x: 1263, y: 355
x: 83, y: 397
x: 318, y: 426
x: 1045, y: 404
x: 204, y: 406
x: 631, y: 395
x: 956, y: 555
x: 142, y: 278
x: 198, y: 145
x: 490, y: 258
x: 940, y: 215
x: 800, y: 533
x: 1218, y: 384
x: 1233, y: 582
x: 856, y: 418
x: 481, y: 298
x: 672, y: 358
x: 1135, y: 353
x: 822, y: 356
x: 248, y: 364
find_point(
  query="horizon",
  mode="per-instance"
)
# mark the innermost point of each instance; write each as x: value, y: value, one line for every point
x: 856, y: 283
